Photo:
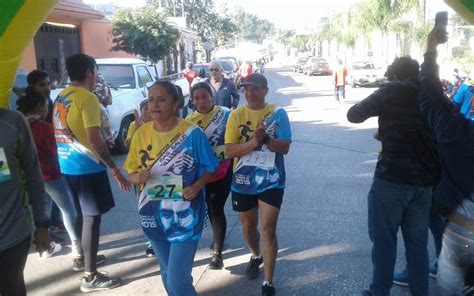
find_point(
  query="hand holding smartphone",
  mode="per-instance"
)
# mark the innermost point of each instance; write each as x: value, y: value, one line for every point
x: 441, y: 23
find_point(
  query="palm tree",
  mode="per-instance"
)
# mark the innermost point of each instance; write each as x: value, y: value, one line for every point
x: 382, y: 14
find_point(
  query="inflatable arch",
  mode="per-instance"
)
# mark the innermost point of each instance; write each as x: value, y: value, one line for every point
x: 19, y: 21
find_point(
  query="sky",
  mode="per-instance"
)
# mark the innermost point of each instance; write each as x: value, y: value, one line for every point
x: 285, y: 14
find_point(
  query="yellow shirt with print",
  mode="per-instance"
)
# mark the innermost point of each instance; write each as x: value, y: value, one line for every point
x: 202, y: 120
x: 147, y: 144
x: 243, y: 122
x: 132, y: 128
x: 82, y: 113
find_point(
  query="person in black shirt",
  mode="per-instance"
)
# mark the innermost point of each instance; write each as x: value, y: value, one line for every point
x: 406, y: 171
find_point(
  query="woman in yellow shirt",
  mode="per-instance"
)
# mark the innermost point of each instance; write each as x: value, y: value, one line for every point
x: 171, y: 160
x: 212, y: 120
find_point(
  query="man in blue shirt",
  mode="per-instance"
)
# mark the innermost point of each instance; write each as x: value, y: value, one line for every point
x: 465, y: 98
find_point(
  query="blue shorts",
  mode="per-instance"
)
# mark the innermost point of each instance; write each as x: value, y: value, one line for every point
x: 91, y: 193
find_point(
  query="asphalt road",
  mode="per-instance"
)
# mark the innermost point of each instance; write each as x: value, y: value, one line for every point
x: 324, y: 248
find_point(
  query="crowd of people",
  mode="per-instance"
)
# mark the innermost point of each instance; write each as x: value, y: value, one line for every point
x: 183, y: 170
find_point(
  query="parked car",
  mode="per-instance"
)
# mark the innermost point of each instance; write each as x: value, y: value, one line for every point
x: 228, y: 69
x: 317, y: 66
x: 233, y: 61
x: 365, y: 73
x: 298, y: 67
x: 129, y: 80
x: 18, y: 88
x: 197, y: 68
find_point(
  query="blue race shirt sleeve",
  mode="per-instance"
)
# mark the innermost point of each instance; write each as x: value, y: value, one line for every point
x: 459, y: 96
x: 284, y: 130
x: 206, y: 158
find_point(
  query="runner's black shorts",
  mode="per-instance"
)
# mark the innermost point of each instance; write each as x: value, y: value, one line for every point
x: 245, y: 202
x: 91, y: 193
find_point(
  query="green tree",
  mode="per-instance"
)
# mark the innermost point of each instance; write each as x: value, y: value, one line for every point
x: 252, y: 27
x: 383, y: 14
x: 300, y: 42
x: 202, y: 16
x: 144, y: 33
x: 285, y: 37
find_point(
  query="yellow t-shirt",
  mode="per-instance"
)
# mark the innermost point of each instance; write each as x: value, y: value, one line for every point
x: 131, y: 131
x: 75, y: 110
x: 213, y: 124
x: 148, y: 145
x: 243, y: 122
x: 202, y: 120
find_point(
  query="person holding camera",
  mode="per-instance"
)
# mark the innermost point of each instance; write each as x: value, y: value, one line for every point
x: 454, y: 195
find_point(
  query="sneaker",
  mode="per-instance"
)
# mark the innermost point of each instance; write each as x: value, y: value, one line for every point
x: 52, y: 249
x: 149, y: 252
x: 78, y: 263
x: 401, y: 278
x: 98, y: 282
x: 434, y: 270
x: 268, y: 290
x: 253, y: 267
x: 216, y: 262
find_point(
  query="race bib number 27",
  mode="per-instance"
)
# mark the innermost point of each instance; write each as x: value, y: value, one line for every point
x: 259, y: 159
x: 165, y: 188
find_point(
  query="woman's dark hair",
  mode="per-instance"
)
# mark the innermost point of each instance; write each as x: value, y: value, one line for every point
x: 171, y: 89
x: 78, y: 65
x: 200, y: 85
x: 30, y: 101
x: 403, y: 68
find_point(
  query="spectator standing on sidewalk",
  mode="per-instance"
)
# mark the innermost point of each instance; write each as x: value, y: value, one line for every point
x: 406, y: 171
x: 189, y: 73
x: 84, y: 158
x: 224, y: 91
x: 21, y: 185
x: 102, y: 91
x: 454, y: 194
x: 35, y: 107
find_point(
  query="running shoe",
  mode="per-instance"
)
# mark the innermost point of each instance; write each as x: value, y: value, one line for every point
x: 98, y: 282
x: 78, y: 263
x: 149, y: 252
x: 401, y: 278
x: 268, y: 290
x: 253, y: 267
x: 216, y: 262
x: 52, y: 249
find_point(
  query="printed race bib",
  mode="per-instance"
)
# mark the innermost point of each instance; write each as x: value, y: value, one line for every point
x: 219, y: 151
x: 165, y: 188
x: 259, y: 159
x: 5, y: 174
